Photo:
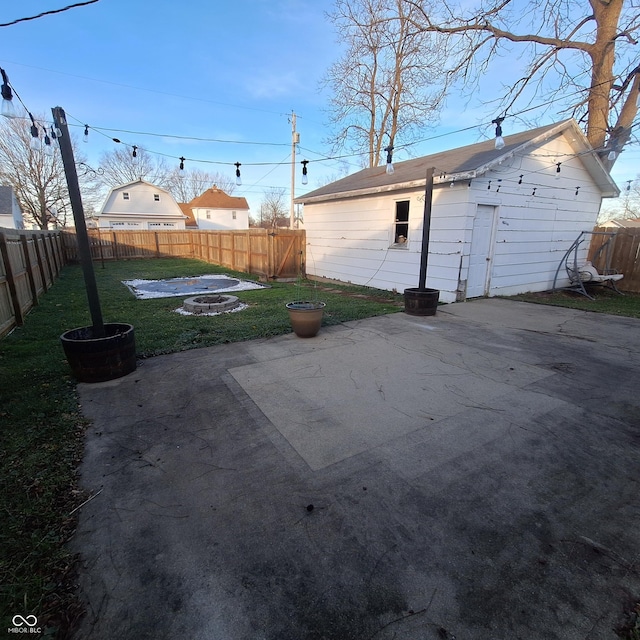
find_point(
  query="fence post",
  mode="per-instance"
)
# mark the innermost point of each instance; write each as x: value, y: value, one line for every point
x: 27, y: 262
x: 13, y: 293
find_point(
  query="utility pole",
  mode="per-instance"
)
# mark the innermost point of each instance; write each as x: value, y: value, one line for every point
x: 295, y: 139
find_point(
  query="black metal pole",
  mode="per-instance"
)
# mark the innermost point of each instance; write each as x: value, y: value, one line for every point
x: 426, y: 229
x: 66, y: 151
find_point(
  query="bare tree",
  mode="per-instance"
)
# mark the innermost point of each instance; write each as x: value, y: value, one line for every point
x: 188, y: 184
x: 274, y: 211
x: 384, y: 85
x: 38, y: 179
x: 626, y: 206
x: 120, y: 167
x: 580, y: 55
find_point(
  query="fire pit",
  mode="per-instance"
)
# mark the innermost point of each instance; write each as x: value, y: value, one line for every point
x: 210, y: 304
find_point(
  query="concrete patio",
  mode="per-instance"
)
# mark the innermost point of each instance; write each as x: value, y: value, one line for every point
x: 471, y: 475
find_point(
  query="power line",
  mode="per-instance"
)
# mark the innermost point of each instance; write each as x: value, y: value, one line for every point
x: 48, y: 13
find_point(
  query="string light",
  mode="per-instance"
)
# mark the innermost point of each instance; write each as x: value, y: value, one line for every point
x: 389, y: 151
x: 558, y: 170
x: 520, y: 179
x: 8, y: 108
x: 85, y: 137
x: 182, y: 159
x: 499, y: 139
x: 35, y: 138
x: 489, y: 186
x: 134, y: 153
x: 48, y: 149
x: 576, y: 193
x: 304, y: 164
x: 499, y: 185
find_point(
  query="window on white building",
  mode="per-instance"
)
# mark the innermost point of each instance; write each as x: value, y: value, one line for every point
x: 125, y: 195
x: 233, y: 214
x: 117, y: 224
x: 208, y: 214
x: 168, y: 224
x: 154, y: 224
x: 401, y: 225
x: 156, y: 197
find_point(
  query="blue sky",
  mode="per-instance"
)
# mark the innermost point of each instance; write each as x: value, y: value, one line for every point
x: 231, y: 71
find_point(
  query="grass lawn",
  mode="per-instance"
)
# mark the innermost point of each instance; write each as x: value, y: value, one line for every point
x: 606, y: 301
x: 42, y: 429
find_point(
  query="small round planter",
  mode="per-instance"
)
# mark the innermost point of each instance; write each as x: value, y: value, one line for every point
x: 100, y: 359
x: 306, y: 317
x: 421, y: 302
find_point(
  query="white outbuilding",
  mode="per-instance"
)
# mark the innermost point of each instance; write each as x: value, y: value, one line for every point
x: 138, y: 206
x: 501, y: 219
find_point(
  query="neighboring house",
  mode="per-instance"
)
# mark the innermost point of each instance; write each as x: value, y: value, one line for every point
x: 10, y: 213
x: 214, y: 209
x: 621, y: 223
x: 190, y: 222
x: 501, y: 219
x: 140, y: 205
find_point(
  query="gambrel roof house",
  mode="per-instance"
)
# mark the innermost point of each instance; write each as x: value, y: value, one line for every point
x: 214, y: 209
x: 140, y: 205
x: 501, y: 219
x: 10, y: 213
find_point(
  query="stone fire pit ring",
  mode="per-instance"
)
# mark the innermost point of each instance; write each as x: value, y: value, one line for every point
x: 210, y: 303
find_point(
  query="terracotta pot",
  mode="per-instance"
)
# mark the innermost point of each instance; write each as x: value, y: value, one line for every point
x: 306, y: 317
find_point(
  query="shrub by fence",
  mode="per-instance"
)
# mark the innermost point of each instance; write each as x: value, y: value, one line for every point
x: 270, y: 254
x: 29, y: 263
x: 624, y: 255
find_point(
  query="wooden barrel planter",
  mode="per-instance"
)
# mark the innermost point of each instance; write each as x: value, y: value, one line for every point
x: 421, y: 302
x: 305, y: 317
x: 99, y: 359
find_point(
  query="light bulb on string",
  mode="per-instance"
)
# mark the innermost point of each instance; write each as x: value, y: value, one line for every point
x: 8, y: 108
x: 612, y: 154
x: 238, y: 177
x: 35, y: 139
x: 85, y: 137
x: 182, y: 163
x: 48, y: 149
x: 134, y: 153
x: 305, y: 179
x: 389, y: 168
x: 499, y: 143
x: 558, y: 170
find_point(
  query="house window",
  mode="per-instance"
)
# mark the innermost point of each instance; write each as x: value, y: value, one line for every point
x: 117, y: 224
x: 154, y: 224
x: 125, y: 195
x: 208, y: 214
x: 401, y: 224
x: 156, y: 197
x: 233, y: 215
x: 169, y: 224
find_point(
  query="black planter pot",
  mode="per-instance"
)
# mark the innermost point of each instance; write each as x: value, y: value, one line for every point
x: 100, y: 359
x: 421, y: 302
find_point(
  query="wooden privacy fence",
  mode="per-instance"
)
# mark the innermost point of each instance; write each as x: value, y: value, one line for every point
x: 270, y: 254
x: 29, y: 264
x: 624, y: 255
